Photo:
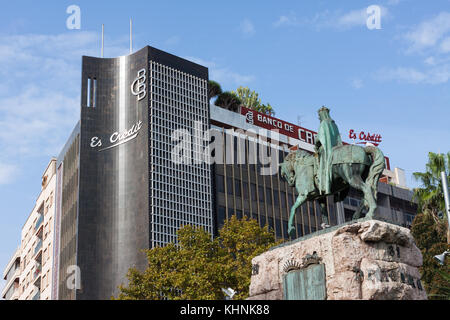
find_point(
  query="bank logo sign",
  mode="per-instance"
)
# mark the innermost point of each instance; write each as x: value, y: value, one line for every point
x: 139, y: 87
x: 117, y: 138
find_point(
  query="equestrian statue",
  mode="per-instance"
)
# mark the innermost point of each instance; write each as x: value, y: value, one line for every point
x: 332, y: 170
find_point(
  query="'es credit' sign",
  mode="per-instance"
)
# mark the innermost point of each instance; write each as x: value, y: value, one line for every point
x: 364, y: 137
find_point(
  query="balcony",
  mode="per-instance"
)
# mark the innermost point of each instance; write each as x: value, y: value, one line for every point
x: 38, y: 247
x: 37, y: 271
x: 39, y: 222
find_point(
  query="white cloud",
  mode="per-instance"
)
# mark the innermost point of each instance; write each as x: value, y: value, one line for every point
x: 431, y: 37
x: 445, y: 45
x: 286, y: 20
x: 431, y: 61
x: 7, y: 173
x: 36, y: 121
x: 358, y: 18
x: 223, y: 75
x: 428, y: 33
x: 337, y: 19
x: 352, y: 18
x: 436, y: 75
x: 357, y: 83
x: 247, y: 27
x: 40, y: 91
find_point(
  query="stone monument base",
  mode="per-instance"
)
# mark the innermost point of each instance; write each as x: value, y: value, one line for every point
x: 362, y: 260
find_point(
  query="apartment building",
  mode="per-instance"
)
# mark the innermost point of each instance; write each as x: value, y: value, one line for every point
x: 29, y: 272
x: 12, y: 276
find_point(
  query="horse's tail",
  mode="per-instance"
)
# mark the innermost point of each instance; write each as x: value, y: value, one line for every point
x: 376, y: 167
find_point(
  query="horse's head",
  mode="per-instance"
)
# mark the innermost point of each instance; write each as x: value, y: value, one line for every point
x: 287, y: 168
x: 287, y: 173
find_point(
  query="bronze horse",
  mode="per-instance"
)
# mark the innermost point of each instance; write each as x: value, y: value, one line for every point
x: 351, y: 166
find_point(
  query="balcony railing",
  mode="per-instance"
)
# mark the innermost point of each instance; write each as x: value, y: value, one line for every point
x: 37, y: 271
x: 39, y: 222
x: 38, y: 247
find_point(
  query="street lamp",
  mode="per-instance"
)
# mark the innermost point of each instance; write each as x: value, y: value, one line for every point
x: 441, y: 257
x: 447, y: 203
x: 229, y: 293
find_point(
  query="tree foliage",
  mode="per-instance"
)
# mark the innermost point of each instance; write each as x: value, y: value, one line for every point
x: 228, y: 100
x: 430, y: 238
x: 214, y: 89
x: 200, y: 266
x: 430, y: 196
x: 251, y: 100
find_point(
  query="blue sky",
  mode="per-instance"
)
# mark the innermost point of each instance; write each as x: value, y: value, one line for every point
x: 299, y: 55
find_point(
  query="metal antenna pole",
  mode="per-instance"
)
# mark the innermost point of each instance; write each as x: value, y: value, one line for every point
x: 447, y: 202
x: 103, y: 38
x: 131, y: 36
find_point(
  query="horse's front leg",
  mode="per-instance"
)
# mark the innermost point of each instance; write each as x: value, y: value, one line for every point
x: 300, y: 200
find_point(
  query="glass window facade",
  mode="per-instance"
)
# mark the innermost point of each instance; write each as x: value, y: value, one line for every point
x: 180, y: 194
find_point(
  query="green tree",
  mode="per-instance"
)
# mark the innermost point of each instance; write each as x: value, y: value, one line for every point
x: 214, y: 89
x: 251, y: 100
x: 430, y: 196
x: 430, y: 238
x: 200, y: 266
x: 228, y: 100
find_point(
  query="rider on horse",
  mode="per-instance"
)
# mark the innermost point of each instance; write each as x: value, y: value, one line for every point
x: 327, y: 138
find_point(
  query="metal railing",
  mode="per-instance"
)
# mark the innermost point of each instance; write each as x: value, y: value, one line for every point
x: 37, y: 271
x: 39, y: 222
x: 38, y: 247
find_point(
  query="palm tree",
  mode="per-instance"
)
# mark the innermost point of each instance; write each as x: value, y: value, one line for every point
x: 430, y: 196
x: 214, y: 89
x: 228, y: 100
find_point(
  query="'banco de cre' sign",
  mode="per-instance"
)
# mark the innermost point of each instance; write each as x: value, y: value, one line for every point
x: 270, y: 123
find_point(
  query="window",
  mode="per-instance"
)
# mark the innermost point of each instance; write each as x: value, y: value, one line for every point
x: 229, y: 185
x: 220, y: 184
x: 88, y: 93
x: 261, y: 193
x: 269, y: 196
x: 253, y: 190
x: 245, y: 184
x: 221, y: 217
x: 237, y: 186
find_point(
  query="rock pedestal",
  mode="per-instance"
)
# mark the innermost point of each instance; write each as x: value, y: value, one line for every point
x: 363, y: 260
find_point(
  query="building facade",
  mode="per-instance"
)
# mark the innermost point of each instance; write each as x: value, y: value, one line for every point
x: 30, y: 271
x: 120, y: 189
x: 11, y: 275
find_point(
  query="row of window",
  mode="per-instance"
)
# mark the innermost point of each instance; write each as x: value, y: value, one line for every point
x: 181, y: 194
x: 176, y: 93
x: 280, y: 231
x: 264, y: 194
x: 169, y: 75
